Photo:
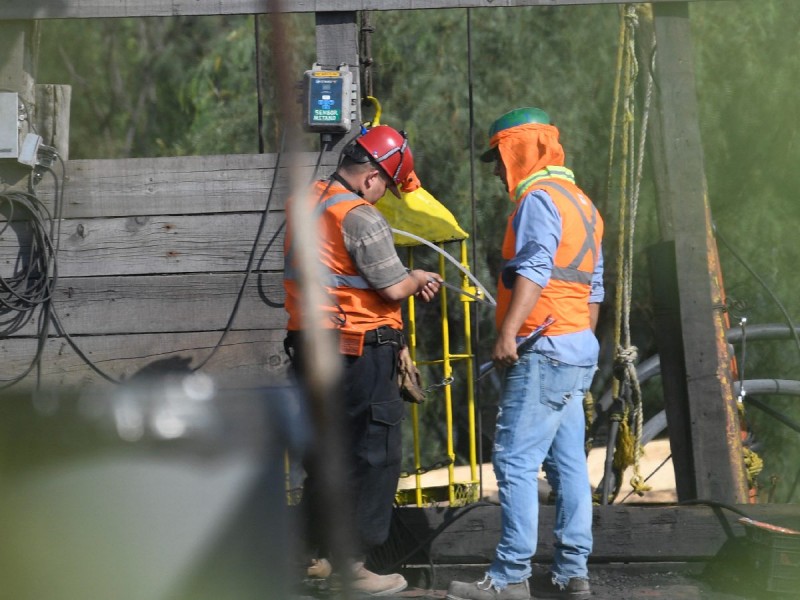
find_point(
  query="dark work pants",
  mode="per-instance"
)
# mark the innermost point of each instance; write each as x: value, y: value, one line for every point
x: 372, y: 411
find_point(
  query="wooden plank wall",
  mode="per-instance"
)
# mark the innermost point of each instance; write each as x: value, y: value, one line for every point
x: 152, y: 255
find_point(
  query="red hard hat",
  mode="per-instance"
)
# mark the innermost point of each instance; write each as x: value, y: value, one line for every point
x: 389, y: 149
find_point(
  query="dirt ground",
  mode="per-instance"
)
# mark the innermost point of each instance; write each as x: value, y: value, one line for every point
x: 609, y: 582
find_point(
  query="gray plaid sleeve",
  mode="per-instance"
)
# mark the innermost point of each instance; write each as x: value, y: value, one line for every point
x: 368, y: 239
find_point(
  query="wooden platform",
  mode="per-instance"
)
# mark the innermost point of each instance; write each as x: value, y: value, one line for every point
x: 631, y: 534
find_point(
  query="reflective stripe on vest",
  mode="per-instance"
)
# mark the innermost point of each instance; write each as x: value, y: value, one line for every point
x: 330, y: 279
x: 353, y: 304
x: 571, y: 272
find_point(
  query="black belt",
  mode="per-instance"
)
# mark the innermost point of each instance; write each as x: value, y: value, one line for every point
x: 374, y: 337
x: 384, y: 335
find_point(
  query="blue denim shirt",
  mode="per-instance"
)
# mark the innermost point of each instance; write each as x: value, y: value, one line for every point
x: 537, y: 225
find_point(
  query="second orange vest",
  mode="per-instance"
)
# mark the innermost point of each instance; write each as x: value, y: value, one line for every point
x: 566, y: 296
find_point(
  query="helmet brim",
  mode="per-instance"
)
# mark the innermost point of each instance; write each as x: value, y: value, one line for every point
x: 392, y: 187
x: 490, y: 155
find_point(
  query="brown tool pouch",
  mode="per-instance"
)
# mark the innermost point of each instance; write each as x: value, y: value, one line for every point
x: 408, y: 378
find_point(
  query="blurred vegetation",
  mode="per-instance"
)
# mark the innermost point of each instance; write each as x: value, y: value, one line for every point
x: 160, y: 87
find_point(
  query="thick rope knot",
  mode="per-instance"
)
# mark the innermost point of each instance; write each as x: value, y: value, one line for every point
x: 625, y: 361
x: 639, y: 486
x: 629, y: 355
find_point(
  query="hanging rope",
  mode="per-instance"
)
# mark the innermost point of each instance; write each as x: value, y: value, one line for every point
x: 626, y: 390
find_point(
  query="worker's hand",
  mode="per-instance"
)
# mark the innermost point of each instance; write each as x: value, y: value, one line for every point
x: 504, y: 353
x: 429, y: 284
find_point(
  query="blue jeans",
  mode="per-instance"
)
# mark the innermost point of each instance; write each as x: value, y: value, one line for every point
x: 541, y: 422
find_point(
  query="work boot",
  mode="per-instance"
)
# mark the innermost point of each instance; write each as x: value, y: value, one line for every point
x: 366, y: 582
x: 320, y: 568
x: 486, y: 590
x: 577, y: 588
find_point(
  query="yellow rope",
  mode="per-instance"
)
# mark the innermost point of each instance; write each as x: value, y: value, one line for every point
x: 628, y: 449
x: 753, y: 464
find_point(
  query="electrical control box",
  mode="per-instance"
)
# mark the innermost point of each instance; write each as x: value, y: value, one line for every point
x: 29, y: 152
x: 9, y: 125
x: 328, y: 100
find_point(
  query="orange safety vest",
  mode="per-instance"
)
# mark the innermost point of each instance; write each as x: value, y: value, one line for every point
x: 566, y: 295
x: 354, y: 306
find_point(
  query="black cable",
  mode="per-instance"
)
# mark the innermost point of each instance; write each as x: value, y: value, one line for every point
x: 50, y: 310
x: 714, y: 504
x: 436, y: 532
x: 30, y: 286
x: 789, y: 422
x: 763, y: 284
x: 251, y: 258
x: 646, y: 479
x: 259, y: 85
x: 249, y: 268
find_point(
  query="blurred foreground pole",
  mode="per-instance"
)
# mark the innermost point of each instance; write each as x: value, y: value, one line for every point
x: 319, y: 344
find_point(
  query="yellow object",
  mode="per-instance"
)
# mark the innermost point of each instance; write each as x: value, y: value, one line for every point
x: 418, y: 212
x: 376, y: 120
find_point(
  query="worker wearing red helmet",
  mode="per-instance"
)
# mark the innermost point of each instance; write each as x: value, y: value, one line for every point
x: 366, y: 284
x: 553, y: 268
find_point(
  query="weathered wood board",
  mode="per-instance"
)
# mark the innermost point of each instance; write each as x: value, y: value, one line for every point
x: 152, y: 255
x: 180, y: 185
x: 85, y: 9
x: 245, y: 358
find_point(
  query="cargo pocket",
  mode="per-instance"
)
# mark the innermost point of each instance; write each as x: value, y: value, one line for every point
x: 384, y: 437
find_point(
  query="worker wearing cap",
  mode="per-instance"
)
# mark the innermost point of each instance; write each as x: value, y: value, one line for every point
x: 365, y: 283
x: 553, y: 267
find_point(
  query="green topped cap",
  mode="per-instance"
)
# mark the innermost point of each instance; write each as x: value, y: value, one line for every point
x: 518, y: 116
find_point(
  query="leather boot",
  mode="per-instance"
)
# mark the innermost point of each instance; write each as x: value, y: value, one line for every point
x: 371, y: 584
x: 319, y: 568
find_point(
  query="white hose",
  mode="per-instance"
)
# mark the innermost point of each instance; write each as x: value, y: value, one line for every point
x: 458, y: 265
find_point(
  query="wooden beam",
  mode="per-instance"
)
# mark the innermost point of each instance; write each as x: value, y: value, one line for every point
x: 337, y: 44
x: 160, y: 244
x: 52, y: 116
x: 469, y: 534
x: 88, y: 9
x: 669, y: 340
x: 716, y: 446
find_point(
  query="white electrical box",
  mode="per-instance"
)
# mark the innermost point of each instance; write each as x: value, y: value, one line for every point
x: 328, y: 100
x: 9, y: 125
